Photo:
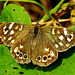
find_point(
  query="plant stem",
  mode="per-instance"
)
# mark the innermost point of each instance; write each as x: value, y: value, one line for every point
x: 46, y: 17
x: 49, y: 15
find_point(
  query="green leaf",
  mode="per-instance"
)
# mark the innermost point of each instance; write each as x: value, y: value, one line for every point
x: 72, y: 27
x: 15, y: 13
x: 65, y: 64
x: 46, y: 17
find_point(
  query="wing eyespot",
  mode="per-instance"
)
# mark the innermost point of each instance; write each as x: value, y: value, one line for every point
x: 70, y: 37
x: 25, y: 56
x: 38, y: 58
x: 17, y: 54
x: 6, y: 29
x: 49, y: 56
x: 20, y: 55
x: 44, y: 59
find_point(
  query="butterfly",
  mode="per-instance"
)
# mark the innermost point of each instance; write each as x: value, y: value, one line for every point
x: 37, y: 43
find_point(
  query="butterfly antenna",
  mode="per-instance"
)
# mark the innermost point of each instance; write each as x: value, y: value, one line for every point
x: 39, y: 18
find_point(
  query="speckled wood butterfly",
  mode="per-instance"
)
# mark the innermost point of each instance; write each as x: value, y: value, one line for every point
x: 37, y: 43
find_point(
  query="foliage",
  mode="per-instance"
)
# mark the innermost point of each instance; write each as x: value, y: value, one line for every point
x: 14, y: 13
x: 64, y: 65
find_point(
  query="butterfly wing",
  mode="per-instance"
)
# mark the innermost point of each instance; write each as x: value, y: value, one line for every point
x: 60, y: 38
x: 51, y: 41
x: 21, y: 50
x: 17, y: 36
x: 43, y: 54
x: 12, y: 32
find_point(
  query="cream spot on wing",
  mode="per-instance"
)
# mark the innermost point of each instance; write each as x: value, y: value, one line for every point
x: 44, y: 60
x: 16, y: 49
x: 52, y: 53
x: 65, y: 31
x: 16, y: 27
x: 21, y: 46
x: 4, y: 38
x: 61, y: 37
x: 53, y: 31
x: 67, y: 45
x: 9, y: 38
x: 0, y: 37
x: 4, y: 27
x: 11, y: 25
x: 47, y: 49
x: 68, y: 39
x: 5, y: 32
x: 60, y: 43
x: 12, y: 41
x: 58, y: 32
x: 56, y: 46
x: 21, y: 28
x: 12, y: 32
x: 20, y: 57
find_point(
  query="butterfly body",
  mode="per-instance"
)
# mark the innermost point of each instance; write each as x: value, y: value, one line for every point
x: 39, y: 44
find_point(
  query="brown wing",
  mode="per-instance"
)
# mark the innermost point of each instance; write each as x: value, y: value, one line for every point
x: 50, y: 41
x: 43, y: 54
x: 60, y: 38
x: 12, y: 32
x: 17, y: 36
x: 21, y: 50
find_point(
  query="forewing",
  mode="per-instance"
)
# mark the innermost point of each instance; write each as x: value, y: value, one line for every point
x: 60, y: 38
x: 17, y: 36
x: 12, y: 32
